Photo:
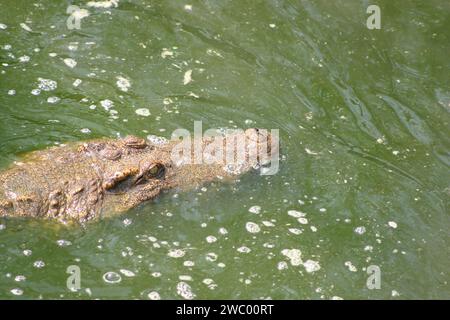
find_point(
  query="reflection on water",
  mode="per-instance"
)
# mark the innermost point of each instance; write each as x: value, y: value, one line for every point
x: 364, y: 125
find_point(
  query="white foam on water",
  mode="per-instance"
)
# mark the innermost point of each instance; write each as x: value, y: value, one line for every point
x: 392, y: 224
x: 360, y: 230
x: 123, y: 83
x: 47, y: 84
x: 244, y: 249
x: 53, y: 99
x: 166, y: 53
x: 154, y: 296
x: 24, y: 58
x: 71, y: 63
x: 144, y: 112
x: 185, y: 291
x: 296, y: 213
x: 255, y: 209
x: 77, y: 82
x: 187, y: 78
x: 127, y: 273
x: 350, y: 266
x: 103, y: 4
x: 294, y: 255
x: 107, y: 104
x: 311, y: 266
x: 17, y: 291
x: 25, y: 27
x: 252, y: 227
x: 176, y: 253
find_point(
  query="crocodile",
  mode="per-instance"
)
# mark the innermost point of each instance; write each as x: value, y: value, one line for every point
x: 87, y: 180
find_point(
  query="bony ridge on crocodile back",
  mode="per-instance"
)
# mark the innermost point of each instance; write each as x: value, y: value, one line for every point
x: 86, y: 180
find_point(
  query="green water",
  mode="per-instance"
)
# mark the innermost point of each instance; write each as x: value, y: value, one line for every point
x: 364, y: 126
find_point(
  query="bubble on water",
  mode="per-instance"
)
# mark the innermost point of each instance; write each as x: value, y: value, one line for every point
x: 39, y: 264
x: 156, y: 140
x: 27, y: 252
x: 127, y: 222
x: 35, y: 92
x: 103, y: 4
x: 77, y: 82
x: 2, y: 227
x: 185, y: 278
x: 3, y: 26
x: 25, y: 27
x: 282, y: 265
x: 52, y: 54
x: 350, y: 266
x: 360, y: 230
x: 20, y: 278
x: 322, y: 209
x: 336, y: 298
x: 188, y: 7
x: 211, y: 239
x: 252, y: 227
x: 394, y: 293
x: 211, y: 256
x: 127, y: 273
x: 107, y: 104
x: 313, y: 229
x: 302, y: 220
x: 210, y: 283
x: 268, y: 224
x: 17, y: 291
x: 123, y: 83
x: 63, y: 243
x: 295, y: 231
x: 187, y: 78
x: 85, y: 130
x: 11, y: 92
x: 47, y: 84
x: 311, y: 266
x: 156, y: 274
x: 223, y: 231
x: 244, y: 249
x: 144, y: 112
x: 185, y: 291
x: 188, y: 263
x: 176, y: 253
x: 255, y: 209
x: 53, y: 99
x: 166, y: 53
x: 24, y: 58
x: 154, y: 296
x: 294, y: 255
x: 392, y: 224
x: 112, y: 277
x: 296, y: 213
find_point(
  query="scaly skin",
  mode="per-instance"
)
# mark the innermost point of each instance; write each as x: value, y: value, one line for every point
x: 87, y: 180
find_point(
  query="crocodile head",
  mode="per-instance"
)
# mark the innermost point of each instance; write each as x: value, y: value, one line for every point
x: 184, y: 165
x: 106, y: 176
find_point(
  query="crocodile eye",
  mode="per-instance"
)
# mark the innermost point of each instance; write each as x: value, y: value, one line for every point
x: 156, y: 171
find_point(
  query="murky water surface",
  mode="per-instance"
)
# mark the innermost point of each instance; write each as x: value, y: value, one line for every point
x: 364, y: 125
